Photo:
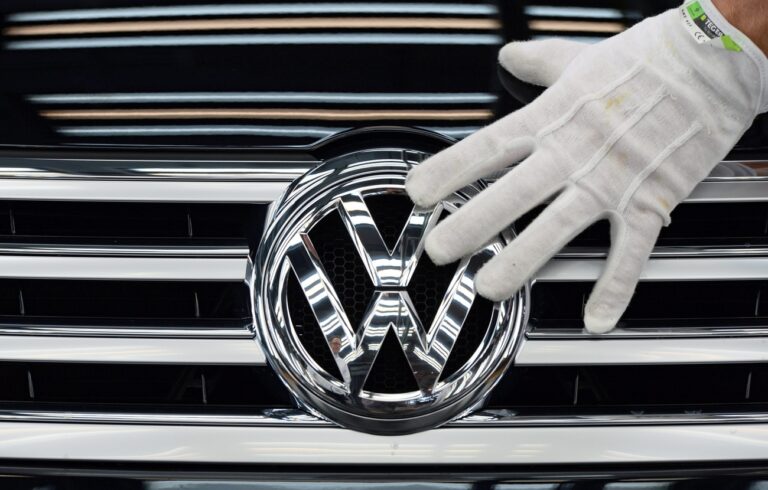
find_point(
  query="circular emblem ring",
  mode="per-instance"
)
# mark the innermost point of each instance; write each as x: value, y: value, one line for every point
x: 286, y: 253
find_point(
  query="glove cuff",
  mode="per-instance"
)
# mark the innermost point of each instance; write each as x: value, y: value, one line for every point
x: 730, y: 38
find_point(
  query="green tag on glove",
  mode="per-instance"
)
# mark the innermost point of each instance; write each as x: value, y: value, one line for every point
x: 703, y: 29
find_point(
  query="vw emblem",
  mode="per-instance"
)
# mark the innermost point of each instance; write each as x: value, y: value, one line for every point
x: 358, y: 323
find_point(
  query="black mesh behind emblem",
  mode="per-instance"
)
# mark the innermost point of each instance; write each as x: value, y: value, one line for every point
x: 391, y: 372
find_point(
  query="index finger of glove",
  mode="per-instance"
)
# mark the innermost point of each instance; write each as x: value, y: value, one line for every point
x: 494, y: 209
x: 483, y: 153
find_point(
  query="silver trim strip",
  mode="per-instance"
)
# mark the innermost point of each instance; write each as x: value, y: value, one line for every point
x: 276, y: 417
x: 573, y: 12
x: 601, y: 351
x: 121, y: 178
x: 669, y: 252
x: 418, y: 98
x: 210, y: 170
x: 255, y: 9
x: 329, y: 445
x: 142, y: 191
x: 362, y: 38
x: 508, y: 418
x: 123, y: 268
x: 662, y: 269
x: 226, y: 180
x: 234, y: 251
x: 738, y: 170
x: 243, y: 350
x: 292, y: 131
x: 743, y: 189
x: 651, y: 332
x: 203, y: 331
x: 131, y: 350
x: 297, y: 418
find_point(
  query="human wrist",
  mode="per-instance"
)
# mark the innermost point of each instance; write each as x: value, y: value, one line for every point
x: 708, y: 24
x: 749, y: 16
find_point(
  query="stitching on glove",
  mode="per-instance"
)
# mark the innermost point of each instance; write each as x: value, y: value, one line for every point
x: 569, y: 196
x: 586, y: 99
x: 694, y: 76
x: 617, y: 134
x: 661, y: 158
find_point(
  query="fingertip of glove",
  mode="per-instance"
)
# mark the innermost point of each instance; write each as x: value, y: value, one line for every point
x: 509, y: 54
x: 419, y: 189
x: 598, y: 322
x: 490, y: 286
x: 437, y: 249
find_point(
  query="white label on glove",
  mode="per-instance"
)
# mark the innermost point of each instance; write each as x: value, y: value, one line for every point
x: 703, y: 28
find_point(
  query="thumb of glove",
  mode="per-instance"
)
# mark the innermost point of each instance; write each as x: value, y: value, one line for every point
x: 540, y: 62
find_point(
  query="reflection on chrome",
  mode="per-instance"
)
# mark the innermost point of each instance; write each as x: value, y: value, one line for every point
x: 573, y: 12
x: 365, y: 38
x: 202, y: 130
x: 340, y: 187
x: 640, y: 485
x: 526, y: 486
x: 576, y: 26
x: 255, y: 9
x: 257, y: 97
x: 386, y: 268
x: 313, y: 485
x: 582, y: 39
x: 270, y: 113
x: 239, y: 24
x: 454, y: 132
x: 234, y: 130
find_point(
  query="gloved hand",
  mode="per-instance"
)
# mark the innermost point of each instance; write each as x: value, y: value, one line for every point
x: 626, y: 131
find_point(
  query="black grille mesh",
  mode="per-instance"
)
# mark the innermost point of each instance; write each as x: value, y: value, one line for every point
x: 156, y: 304
x: 129, y: 223
x: 723, y: 224
x: 534, y: 391
x: 658, y: 304
x: 140, y: 387
x: 633, y: 389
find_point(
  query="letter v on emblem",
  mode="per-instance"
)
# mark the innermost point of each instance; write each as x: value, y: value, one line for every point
x: 427, y: 351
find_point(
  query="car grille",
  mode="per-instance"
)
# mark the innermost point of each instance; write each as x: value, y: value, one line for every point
x: 123, y: 298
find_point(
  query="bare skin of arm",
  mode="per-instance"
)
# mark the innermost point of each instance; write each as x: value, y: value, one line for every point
x: 749, y: 16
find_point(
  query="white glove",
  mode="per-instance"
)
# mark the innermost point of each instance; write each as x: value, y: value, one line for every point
x: 625, y: 132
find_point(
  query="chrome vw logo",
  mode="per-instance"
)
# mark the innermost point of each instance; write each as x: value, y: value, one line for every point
x: 341, y: 392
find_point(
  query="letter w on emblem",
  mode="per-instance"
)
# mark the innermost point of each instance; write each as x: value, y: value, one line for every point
x: 391, y: 308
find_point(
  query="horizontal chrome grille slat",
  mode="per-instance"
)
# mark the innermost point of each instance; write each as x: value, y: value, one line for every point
x: 296, y: 418
x: 533, y: 352
x: 141, y: 191
x: 121, y: 168
x: 599, y: 350
x: 656, y: 332
x: 457, y: 445
x: 123, y: 268
x: 75, y: 250
x: 209, y: 330
x: 185, y: 180
x: 662, y: 269
x: 670, y: 252
x: 136, y: 177
x: 743, y: 189
x: 131, y: 350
